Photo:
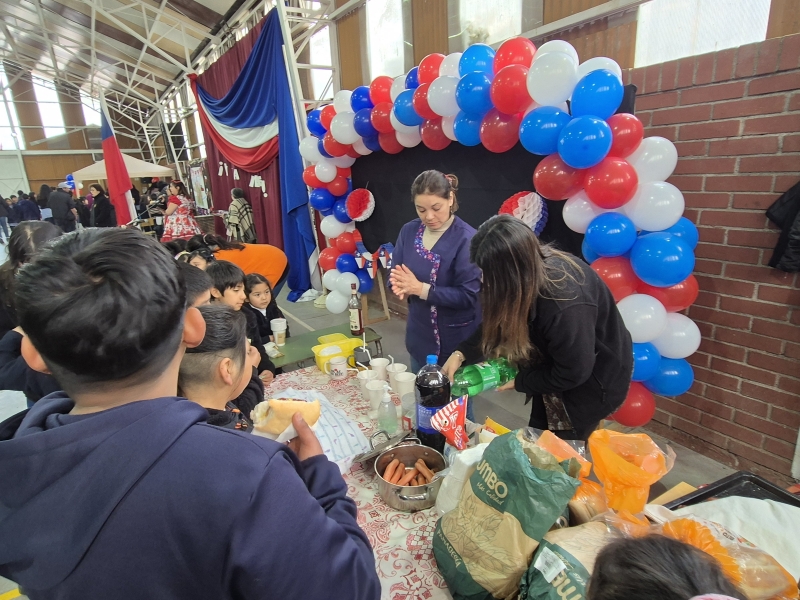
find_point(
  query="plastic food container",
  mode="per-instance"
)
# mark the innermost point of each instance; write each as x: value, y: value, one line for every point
x: 342, y: 347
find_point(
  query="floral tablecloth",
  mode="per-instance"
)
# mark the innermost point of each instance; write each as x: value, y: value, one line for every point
x: 403, y: 542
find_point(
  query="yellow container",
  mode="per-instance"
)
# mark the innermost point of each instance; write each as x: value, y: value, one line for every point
x: 344, y: 347
x: 331, y: 337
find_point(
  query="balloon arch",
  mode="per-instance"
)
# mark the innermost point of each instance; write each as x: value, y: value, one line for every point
x: 612, y: 179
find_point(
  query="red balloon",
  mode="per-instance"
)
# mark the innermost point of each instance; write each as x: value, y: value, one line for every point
x: 310, y: 178
x: 611, y: 182
x: 353, y: 153
x: 429, y: 68
x: 420, y: 102
x: 638, y: 408
x: 509, y: 90
x: 389, y: 143
x: 556, y: 180
x: 327, y: 258
x: 380, y: 89
x: 381, y: 117
x: 516, y: 51
x: 499, y: 131
x: 433, y: 136
x: 674, y: 298
x: 627, y: 133
x: 333, y: 147
x: 618, y: 275
x: 326, y: 116
x: 338, y: 187
x: 345, y: 243
x: 344, y: 172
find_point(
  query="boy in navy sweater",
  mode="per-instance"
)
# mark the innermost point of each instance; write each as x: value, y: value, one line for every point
x: 116, y: 488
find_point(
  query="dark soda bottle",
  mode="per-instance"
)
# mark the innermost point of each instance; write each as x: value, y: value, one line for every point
x: 433, y: 392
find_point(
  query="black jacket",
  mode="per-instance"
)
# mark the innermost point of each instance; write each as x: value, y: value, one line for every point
x: 255, y: 339
x: 3, y: 209
x: 250, y: 396
x: 15, y: 374
x: 273, y: 312
x: 103, y: 214
x: 61, y: 203
x: 785, y: 213
x: 29, y: 211
x: 587, y: 354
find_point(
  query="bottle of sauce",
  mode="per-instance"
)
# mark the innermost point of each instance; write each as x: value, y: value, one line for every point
x: 356, y: 318
x: 433, y: 392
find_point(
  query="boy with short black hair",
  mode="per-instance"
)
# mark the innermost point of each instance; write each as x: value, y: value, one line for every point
x: 198, y: 285
x: 119, y: 489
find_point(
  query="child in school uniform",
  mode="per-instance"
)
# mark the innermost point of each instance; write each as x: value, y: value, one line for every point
x: 262, y: 305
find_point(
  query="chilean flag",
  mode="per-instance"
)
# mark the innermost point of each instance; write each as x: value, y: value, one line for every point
x: 119, y: 184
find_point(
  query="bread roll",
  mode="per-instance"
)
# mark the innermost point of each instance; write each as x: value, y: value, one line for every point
x: 274, y: 416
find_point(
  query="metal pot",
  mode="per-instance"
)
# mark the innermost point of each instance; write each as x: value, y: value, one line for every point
x: 410, y: 498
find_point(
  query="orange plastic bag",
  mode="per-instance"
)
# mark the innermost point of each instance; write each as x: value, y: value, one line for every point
x: 563, y: 451
x: 754, y: 571
x: 627, y: 464
x: 588, y: 502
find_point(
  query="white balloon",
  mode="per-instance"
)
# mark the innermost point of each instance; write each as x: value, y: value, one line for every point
x: 336, y: 302
x: 552, y: 78
x: 331, y: 227
x: 449, y: 66
x: 398, y: 86
x: 360, y: 147
x: 344, y: 282
x: 644, y: 316
x: 342, y: 128
x: 557, y: 46
x: 654, y: 159
x: 597, y: 63
x: 309, y: 149
x: 343, y: 161
x: 448, y: 127
x: 680, y: 338
x: 442, y: 96
x: 579, y: 211
x: 341, y: 101
x: 325, y: 171
x: 329, y: 279
x: 399, y: 127
x: 350, y: 227
x: 655, y: 206
x: 409, y: 140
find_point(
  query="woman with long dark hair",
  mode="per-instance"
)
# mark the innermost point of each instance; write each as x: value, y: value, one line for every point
x: 551, y: 314
x: 239, y: 220
x: 102, y: 213
x: 179, y: 222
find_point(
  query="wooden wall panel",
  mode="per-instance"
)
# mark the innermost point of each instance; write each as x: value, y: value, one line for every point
x: 27, y: 111
x: 598, y: 39
x: 352, y: 37
x: 784, y: 18
x: 54, y: 168
x: 429, y: 29
x: 72, y: 111
x: 559, y: 9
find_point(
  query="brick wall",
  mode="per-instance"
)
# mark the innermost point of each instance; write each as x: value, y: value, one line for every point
x: 734, y: 116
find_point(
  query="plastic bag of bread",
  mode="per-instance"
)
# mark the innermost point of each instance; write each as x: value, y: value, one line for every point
x: 627, y: 464
x: 564, y: 561
x: 754, y: 571
x: 627, y: 524
x: 563, y: 450
x: 588, y: 502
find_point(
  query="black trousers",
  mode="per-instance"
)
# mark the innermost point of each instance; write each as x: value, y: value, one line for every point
x: 538, y: 420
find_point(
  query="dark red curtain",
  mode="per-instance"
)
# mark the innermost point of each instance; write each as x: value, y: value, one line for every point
x: 217, y: 80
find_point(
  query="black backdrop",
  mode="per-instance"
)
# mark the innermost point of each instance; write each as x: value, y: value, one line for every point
x: 486, y: 180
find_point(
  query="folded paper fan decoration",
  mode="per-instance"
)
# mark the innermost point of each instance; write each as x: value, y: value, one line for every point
x: 360, y: 204
x: 529, y: 208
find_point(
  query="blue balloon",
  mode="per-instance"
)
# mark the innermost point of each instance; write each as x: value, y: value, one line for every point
x: 477, y: 58
x: 349, y: 187
x: 598, y: 94
x: 646, y: 360
x: 322, y: 150
x: 473, y: 94
x: 404, y: 109
x: 314, y: 123
x: 589, y: 255
x: 662, y: 259
x: 674, y: 377
x: 373, y: 143
x: 540, y: 130
x: 611, y: 234
x: 359, y: 99
x: 346, y: 263
x: 340, y: 211
x: 362, y: 124
x: 326, y: 213
x: 467, y: 129
x: 321, y: 199
x: 365, y: 282
x: 584, y: 142
x: 412, y: 79
x: 685, y: 230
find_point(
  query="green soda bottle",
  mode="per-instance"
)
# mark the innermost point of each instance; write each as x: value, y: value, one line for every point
x: 482, y: 377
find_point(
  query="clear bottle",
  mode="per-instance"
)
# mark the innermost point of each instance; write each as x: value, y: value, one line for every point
x: 356, y: 317
x: 433, y: 392
x: 482, y: 377
x: 387, y: 415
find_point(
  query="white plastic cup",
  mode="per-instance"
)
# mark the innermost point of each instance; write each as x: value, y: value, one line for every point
x: 379, y: 366
x: 278, y: 327
x: 404, y: 387
x: 404, y: 383
x: 393, y: 370
x: 364, y: 377
x: 375, y: 390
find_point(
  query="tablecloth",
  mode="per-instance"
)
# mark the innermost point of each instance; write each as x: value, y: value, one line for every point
x: 403, y: 542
